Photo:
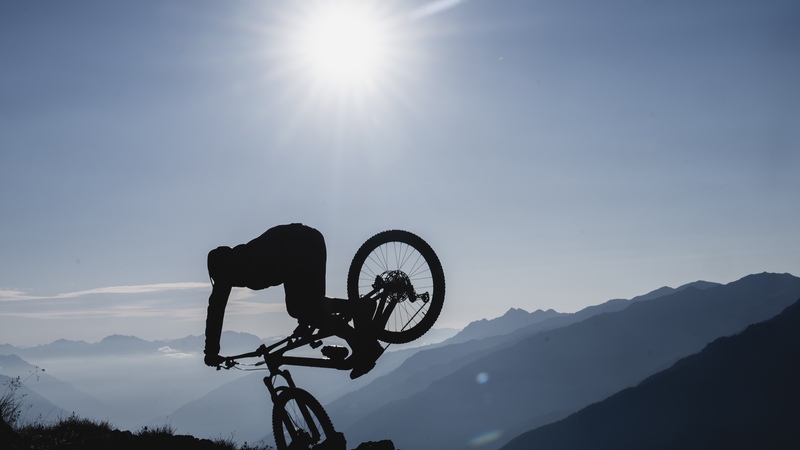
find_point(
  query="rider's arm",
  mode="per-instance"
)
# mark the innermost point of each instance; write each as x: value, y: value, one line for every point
x: 216, y: 312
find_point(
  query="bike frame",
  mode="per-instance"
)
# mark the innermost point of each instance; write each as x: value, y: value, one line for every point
x: 274, y: 355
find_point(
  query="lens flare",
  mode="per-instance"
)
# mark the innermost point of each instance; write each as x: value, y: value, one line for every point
x: 485, y: 438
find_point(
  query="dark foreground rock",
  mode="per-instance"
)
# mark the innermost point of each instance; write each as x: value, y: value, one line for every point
x: 379, y: 445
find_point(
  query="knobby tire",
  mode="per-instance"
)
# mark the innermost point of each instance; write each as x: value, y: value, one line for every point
x: 407, y: 252
x: 290, y: 418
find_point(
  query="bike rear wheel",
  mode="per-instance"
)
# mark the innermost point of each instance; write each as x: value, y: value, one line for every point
x: 399, y: 258
x: 299, y: 422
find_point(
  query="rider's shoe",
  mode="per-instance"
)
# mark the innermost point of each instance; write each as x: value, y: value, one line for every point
x: 365, y: 359
x: 361, y: 369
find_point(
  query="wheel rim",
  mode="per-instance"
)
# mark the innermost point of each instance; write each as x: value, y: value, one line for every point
x: 301, y: 430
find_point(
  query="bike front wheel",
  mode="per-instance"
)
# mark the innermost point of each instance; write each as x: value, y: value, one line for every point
x: 300, y: 422
x: 412, y: 279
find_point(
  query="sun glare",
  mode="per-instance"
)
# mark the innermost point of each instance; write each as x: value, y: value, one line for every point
x: 342, y: 44
x: 357, y: 58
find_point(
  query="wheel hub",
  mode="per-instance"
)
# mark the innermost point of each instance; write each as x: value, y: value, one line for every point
x: 398, y: 285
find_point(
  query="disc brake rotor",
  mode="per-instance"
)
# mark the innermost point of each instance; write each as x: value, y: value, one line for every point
x: 398, y: 285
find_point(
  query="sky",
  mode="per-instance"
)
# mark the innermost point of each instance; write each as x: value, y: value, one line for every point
x: 555, y: 154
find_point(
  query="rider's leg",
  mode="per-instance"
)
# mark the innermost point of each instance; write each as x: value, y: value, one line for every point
x: 338, y: 326
x: 304, y: 283
x: 360, y: 310
x: 366, y: 348
x: 304, y: 286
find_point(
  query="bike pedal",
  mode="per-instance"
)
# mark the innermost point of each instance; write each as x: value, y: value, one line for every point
x: 335, y: 352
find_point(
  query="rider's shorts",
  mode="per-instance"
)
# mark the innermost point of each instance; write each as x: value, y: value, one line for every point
x: 304, y: 281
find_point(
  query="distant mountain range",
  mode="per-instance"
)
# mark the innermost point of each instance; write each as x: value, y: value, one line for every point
x: 504, y: 386
x: 127, y: 345
x: 740, y: 392
x: 122, y: 378
x: 491, y: 382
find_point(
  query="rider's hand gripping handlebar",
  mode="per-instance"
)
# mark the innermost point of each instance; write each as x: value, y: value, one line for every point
x: 231, y: 361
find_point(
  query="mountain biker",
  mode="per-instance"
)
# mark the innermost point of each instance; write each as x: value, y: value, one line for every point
x: 293, y: 255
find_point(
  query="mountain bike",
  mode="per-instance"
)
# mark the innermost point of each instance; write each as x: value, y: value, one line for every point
x: 400, y: 277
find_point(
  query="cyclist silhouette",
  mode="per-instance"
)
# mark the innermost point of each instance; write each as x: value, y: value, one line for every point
x: 293, y: 255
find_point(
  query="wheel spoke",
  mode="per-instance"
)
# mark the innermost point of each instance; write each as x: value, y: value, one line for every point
x: 299, y: 421
x: 407, y: 262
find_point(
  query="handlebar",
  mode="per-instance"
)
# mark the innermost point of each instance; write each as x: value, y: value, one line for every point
x: 230, y: 361
x: 261, y: 352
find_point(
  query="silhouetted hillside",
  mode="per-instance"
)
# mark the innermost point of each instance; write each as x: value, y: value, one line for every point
x: 60, y: 393
x: 545, y: 376
x: 241, y: 407
x: 439, y: 361
x: 34, y: 407
x: 739, y: 392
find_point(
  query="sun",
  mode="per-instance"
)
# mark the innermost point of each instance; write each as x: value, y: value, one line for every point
x: 342, y: 43
x: 356, y: 61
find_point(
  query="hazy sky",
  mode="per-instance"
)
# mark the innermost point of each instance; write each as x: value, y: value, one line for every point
x: 555, y: 154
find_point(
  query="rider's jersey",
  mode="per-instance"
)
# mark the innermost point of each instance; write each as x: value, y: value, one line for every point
x: 293, y: 255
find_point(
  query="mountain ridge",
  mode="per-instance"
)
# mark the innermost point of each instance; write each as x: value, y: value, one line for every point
x: 575, y: 365
x: 126, y: 344
x: 739, y: 391
x: 440, y: 360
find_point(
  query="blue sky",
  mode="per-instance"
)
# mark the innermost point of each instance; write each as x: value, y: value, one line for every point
x: 555, y: 154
